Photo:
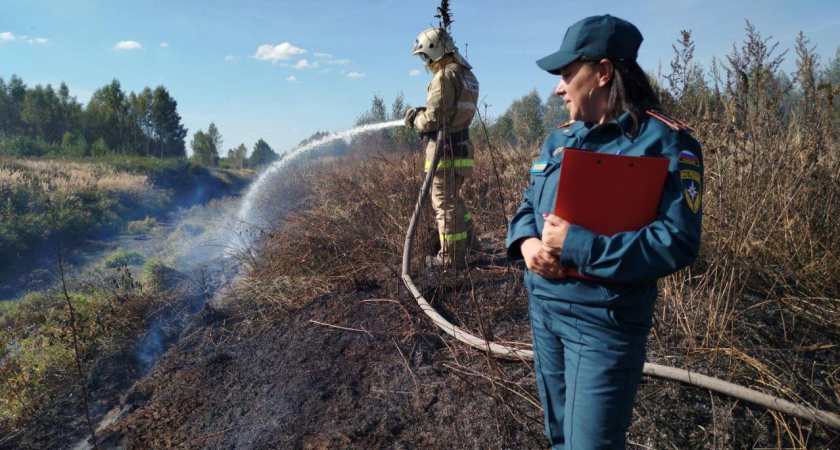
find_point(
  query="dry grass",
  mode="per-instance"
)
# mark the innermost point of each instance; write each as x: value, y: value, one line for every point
x: 70, y: 177
x: 46, y: 198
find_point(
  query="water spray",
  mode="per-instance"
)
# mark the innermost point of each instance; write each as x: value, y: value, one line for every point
x: 244, y: 215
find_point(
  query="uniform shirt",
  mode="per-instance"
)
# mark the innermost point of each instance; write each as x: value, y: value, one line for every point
x: 632, y: 260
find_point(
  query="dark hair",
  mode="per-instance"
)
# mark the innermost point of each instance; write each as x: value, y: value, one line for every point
x: 630, y: 91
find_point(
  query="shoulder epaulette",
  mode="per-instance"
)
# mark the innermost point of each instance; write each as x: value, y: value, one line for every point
x: 566, y: 124
x: 675, y: 123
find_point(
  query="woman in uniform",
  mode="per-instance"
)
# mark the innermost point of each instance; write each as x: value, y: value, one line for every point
x: 589, y: 335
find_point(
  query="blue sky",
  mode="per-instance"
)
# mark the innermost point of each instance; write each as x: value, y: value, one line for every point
x: 207, y: 53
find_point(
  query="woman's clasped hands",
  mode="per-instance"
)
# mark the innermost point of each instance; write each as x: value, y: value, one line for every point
x: 542, y: 256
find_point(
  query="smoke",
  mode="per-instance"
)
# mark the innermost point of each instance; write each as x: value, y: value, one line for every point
x: 198, y: 194
x: 198, y: 265
x: 153, y: 345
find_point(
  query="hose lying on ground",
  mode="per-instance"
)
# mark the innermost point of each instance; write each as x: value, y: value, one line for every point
x: 740, y: 392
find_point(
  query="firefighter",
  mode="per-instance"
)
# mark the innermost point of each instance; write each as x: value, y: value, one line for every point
x: 451, y: 102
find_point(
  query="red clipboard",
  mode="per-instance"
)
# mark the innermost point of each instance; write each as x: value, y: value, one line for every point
x: 608, y: 194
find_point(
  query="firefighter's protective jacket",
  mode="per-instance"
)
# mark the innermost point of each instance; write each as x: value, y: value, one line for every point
x: 452, y: 98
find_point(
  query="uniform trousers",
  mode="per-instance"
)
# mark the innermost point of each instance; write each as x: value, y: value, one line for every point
x: 588, y: 361
x: 455, y: 223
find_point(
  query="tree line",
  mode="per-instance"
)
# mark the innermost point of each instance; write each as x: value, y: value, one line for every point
x: 206, y: 146
x: 43, y: 120
x: 40, y: 120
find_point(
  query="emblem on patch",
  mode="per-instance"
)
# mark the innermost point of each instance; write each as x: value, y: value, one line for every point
x: 539, y: 166
x: 692, y: 188
x: 558, y: 151
x: 686, y: 157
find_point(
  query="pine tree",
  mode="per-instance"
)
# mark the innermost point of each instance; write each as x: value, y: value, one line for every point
x: 262, y: 154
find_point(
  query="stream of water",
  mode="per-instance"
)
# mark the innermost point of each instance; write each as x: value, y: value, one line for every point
x: 246, y: 217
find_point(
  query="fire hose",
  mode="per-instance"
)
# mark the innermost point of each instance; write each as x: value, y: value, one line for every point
x: 655, y: 370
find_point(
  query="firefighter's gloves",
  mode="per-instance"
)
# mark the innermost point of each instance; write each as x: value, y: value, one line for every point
x: 411, y: 114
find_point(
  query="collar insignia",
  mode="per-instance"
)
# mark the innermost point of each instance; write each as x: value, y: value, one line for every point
x: 539, y: 166
x: 675, y: 123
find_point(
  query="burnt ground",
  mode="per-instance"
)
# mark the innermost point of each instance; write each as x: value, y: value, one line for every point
x: 362, y: 367
x: 389, y: 379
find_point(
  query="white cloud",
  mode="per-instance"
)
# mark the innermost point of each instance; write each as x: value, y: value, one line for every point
x: 164, y: 45
x: 339, y: 61
x: 414, y: 73
x: 231, y: 58
x: 39, y: 41
x: 356, y: 74
x: 292, y: 78
x: 278, y: 52
x: 7, y: 36
x: 128, y: 45
x: 304, y: 64
x: 323, y: 55
x: 324, y: 71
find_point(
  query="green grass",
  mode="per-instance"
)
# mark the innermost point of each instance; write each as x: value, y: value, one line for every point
x: 37, y: 358
x: 6, y: 306
x: 75, y: 197
x: 121, y: 257
x: 146, y: 225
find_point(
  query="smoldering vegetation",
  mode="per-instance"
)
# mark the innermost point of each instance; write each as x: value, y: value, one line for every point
x: 102, y: 327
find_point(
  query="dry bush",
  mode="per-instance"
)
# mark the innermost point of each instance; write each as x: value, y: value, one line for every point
x: 760, y: 307
x: 767, y: 253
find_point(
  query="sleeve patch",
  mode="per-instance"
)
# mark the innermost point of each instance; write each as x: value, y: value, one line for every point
x: 688, y: 158
x: 692, y: 188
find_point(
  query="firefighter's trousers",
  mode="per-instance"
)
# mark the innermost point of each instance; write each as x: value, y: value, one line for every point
x: 455, y: 223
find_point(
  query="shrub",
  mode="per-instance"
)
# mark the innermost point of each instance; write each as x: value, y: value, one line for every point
x: 21, y: 146
x: 121, y: 257
x: 146, y: 225
x: 74, y: 144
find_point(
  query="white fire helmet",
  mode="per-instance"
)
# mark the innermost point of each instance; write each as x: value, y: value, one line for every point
x: 432, y: 44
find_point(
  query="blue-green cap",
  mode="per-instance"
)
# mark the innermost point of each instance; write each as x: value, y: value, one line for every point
x: 595, y: 37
